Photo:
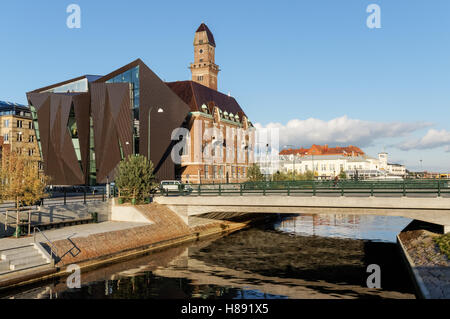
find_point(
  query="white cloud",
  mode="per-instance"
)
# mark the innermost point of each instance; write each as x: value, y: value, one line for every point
x: 340, y: 131
x: 432, y: 139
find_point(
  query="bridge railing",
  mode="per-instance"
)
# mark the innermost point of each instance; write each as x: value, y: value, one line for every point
x: 313, y: 188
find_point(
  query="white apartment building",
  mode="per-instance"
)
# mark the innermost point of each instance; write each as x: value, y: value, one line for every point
x: 329, y: 166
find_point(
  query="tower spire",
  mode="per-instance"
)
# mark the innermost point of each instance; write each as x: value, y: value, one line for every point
x: 204, y: 70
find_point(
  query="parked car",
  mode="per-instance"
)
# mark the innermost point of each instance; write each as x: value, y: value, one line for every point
x: 175, y: 186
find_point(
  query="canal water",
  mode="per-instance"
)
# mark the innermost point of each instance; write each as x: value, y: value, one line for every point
x: 293, y: 256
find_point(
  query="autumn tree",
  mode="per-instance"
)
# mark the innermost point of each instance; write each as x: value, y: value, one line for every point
x: 20, y: 180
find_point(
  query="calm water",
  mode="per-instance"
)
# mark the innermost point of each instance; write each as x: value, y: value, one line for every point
x: 296, y: 256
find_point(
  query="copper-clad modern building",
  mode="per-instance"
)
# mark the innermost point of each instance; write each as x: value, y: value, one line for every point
x: 86, y: 125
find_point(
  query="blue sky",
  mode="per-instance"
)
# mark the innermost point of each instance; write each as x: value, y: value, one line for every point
x: 312, y: 62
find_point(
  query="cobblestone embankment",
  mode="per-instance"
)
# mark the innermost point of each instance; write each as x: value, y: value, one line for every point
x: 167, y: 229
x: 430, y: 267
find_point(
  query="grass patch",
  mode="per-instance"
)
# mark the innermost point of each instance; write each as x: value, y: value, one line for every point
x: 444, y: 244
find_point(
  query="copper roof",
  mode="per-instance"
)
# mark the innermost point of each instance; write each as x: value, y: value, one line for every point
x: 325, y: 150
x: 195, y: 95
x: 209, y: 34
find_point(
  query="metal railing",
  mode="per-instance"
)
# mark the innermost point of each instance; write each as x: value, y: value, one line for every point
x: 53, y: 250
x: 342, y: 187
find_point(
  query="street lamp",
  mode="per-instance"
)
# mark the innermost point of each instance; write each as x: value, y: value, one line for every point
x: 160, y: 110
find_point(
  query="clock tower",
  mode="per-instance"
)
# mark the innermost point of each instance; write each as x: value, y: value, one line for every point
x: 204, y: 70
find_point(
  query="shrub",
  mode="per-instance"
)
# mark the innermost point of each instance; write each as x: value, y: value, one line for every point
x: 444, y: 244
x: 254, y: 174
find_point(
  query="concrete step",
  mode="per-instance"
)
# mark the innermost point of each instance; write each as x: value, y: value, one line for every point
x: 28, y: 263
x: 7, y: 252
x: 4, y: 265
x: 24, y: 254
x: 20, y: 258
x: 23, y: 258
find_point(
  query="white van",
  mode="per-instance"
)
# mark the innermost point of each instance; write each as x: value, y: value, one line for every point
x: 174, y: 186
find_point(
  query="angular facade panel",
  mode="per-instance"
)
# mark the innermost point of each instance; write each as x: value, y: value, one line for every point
x: 111, y: 115
x: 61, y: 162
x: 152, y: 95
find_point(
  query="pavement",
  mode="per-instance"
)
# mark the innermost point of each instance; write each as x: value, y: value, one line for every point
x: 56, y: 201
x: 70, y: 232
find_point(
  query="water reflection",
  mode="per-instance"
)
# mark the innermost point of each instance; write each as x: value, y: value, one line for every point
x: 369, y: 227
x: 279, y: 260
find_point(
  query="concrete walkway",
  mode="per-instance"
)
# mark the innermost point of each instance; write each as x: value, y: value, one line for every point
x: 72, y: 232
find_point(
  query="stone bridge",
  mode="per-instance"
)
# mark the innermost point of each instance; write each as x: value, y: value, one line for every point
x: 433, y: 210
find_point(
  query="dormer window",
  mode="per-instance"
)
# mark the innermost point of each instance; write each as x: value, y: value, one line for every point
x: 225, y: 114
x: 231, y: 116
x: 204, y: 108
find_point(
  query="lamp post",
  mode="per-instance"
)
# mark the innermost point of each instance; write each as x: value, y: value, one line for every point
x: 421, y: 168
x: 160, y: 110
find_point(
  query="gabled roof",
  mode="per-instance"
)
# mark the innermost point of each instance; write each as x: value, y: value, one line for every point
x: 204, y: 27
x: 195, y: 95
x: 325, y: 150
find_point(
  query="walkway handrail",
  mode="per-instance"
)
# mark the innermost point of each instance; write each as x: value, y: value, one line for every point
x: 52, y: 246
x: 343, y: 187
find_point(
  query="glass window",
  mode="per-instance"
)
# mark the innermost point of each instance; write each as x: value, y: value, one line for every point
x: 132, y: 76
x: 77, y: 86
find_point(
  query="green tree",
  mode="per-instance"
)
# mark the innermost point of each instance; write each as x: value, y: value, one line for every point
x: 135, y: 178
x: 308, y: 175
x: 280, y: 176
x: 342, y: 175
x: 254, y: 174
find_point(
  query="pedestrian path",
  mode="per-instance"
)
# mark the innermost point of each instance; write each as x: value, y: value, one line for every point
x: 69, y: 232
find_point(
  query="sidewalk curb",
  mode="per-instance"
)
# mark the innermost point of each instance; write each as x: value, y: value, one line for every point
x: 418, y: 282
